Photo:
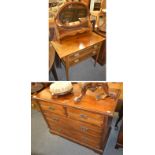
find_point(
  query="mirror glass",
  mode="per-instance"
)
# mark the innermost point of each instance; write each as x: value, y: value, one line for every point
x: 73, y: 14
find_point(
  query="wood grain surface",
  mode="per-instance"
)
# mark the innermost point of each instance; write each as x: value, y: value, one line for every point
x: 72, y: 44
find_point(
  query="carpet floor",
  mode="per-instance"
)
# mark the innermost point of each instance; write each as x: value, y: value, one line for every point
x: 84, y: 71
x: 44, y: 143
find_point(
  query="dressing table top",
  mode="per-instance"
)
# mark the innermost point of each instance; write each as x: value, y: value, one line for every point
x: 72, y: 44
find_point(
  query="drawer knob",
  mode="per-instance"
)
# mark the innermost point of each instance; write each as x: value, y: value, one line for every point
x: 83, y: 116
x: 51, y: 108
x: 84, y: 129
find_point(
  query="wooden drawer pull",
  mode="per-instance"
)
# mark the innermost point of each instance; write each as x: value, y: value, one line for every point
x: 84, y: 129
x: 51, y: 108
x: 83, y: 116
x: 94, y: 52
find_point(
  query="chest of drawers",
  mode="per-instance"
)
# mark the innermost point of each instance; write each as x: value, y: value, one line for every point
x: 86, y: 123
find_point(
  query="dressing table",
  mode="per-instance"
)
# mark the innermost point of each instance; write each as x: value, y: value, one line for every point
x: 75, y: 41
x: 87, y: 122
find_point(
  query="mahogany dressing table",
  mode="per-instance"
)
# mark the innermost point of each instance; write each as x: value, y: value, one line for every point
x: 75, y: 40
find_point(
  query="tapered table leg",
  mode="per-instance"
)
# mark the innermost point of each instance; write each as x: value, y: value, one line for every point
x: 96, y: 58
x: 54, y: 72
x: 67, y: 73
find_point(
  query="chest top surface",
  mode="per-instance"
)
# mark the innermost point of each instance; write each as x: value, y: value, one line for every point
x: 88, y: 102
x: 72, y: 44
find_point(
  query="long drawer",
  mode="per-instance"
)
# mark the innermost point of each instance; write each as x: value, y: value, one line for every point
x: 83, y: 132
x: 90, y: 51
x: 83, y: 57
x: 82, y: 52
x: 86, y: 116
x: 54, y: 108
x: 82, y: 127
x: 70, y: 132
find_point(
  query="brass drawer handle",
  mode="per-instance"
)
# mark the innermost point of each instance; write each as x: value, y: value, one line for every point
x: 85, y: 139
x: 84, y: 129
x: 76, y: 54
x: 94, y: 52
x: 83, y: 116
x: 95, y: 46
x: 51, y: 108
x: 76, y: 60
x: 59, y: 130
x: 55, y: 119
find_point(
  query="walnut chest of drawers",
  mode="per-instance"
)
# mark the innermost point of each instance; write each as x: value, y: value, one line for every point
x: 87, y: 122
x: 74, y: 49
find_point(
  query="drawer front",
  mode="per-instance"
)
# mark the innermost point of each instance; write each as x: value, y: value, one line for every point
x: 92, y: 118
x: 70, y: 124
x: 85, y: 139
x: 70, y: 132
x: 88, y: 51
x: 56, y: 119
x: 82, y: 132
x: 58, y: 124
x: 83, y: 57
x: 53, y: 108
x: 84, y: 128
x: 59, y: 129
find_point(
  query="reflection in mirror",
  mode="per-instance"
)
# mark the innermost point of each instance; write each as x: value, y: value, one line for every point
x: 73, y: 14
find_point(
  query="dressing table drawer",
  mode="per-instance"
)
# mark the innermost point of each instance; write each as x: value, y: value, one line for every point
x: 85, y: 116
x: 82, y: 57
x: 90, y: 50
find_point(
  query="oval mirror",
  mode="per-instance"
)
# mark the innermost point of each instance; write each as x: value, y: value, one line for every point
x: 72, y: 14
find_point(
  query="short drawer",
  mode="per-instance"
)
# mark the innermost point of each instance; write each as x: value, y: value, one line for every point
x: 58, y: 124
x: 85, y: 116
x: 53, y: 118
x: 59, y: 129
x: 54, y: 108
